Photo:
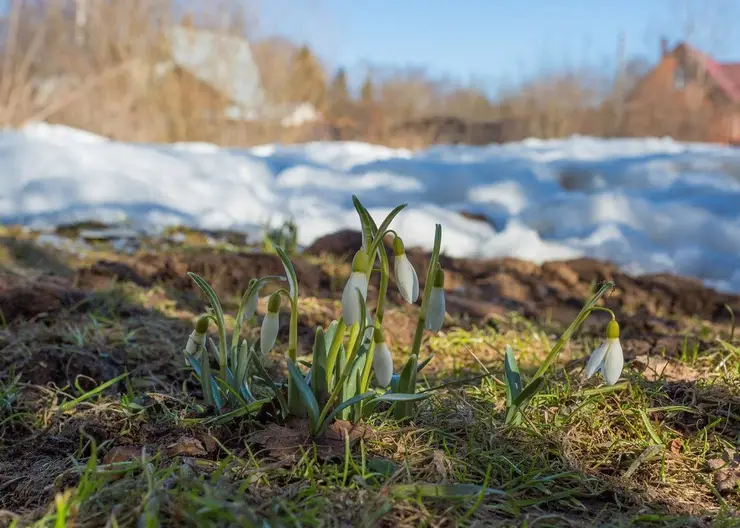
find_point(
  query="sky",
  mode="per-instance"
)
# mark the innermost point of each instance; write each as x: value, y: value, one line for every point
x: 498, y: 40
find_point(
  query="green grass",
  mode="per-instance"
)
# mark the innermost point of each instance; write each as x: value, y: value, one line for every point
x: 89, y: 382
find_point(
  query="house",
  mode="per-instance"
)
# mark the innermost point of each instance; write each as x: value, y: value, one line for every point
x: 687, y: 95
x: 221, y: 69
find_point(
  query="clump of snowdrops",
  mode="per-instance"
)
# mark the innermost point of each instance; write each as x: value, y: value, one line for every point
x: 339, y: 381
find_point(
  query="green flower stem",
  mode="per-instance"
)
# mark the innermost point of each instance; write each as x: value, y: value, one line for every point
x: 419, y: 333
x: 354, y: 333
x: 384, y: 279
x: 354, y: 348
x: 428, y: 285
x: 602, y: 309
x: 584, y: 313
x: 336, y: 343
x: 367, y: 369
x: 294, y: 403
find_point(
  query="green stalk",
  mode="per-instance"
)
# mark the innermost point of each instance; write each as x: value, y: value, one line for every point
x: 365, y: 383
x: 354, y: 333
x: 583, y: 314
x: 384, y: 279
x: 354, y: 348
x: 428, y: 285
x: 294, y: 402
x: 331, y: 360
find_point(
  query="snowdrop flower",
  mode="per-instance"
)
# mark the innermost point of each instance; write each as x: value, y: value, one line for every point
x: 382, y: 359
x: 197, y: 338
x: 435, y: 315
x: 607, y: 358
x: 406, y: 278
x: 357, y: 280
x: 270, y: 324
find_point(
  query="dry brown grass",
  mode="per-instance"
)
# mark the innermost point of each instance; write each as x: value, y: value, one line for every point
x: 100, y: 78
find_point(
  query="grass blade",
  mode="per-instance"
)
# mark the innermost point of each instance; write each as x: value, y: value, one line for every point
x: 513, y: 377
x: 66, y: 406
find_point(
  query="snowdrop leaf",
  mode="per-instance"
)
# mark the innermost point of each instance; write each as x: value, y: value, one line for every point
x: 307, y: 397
x: 424, y: 363
x: 513, y: 377
x: 387, y: 222
x: 366, y: 223
x: 275, y: 389
x: 289, y: 272
x: 319, y: 380
x: 521, y: 401
x: 403, y: 397
x: 345, y: 405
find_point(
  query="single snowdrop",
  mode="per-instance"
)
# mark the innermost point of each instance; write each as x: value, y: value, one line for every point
x: 382, y: 359
x: 270, y: 324
x: 406, y: 278
x: 435, y: 315
x: 197, y: 338
x: 607, y: 358
x: 357, y: 281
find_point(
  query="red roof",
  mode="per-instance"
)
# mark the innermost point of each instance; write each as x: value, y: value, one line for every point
x: 727, y: 75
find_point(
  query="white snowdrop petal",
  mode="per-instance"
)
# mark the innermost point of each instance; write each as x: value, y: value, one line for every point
x: 350, y: 302
x: 406, y: 278
x: 269, y: 332
x: 613, y: 362
x: 383, y: 364
x: 596, y: 360
x: 435, y: 310
x: 195, y: 339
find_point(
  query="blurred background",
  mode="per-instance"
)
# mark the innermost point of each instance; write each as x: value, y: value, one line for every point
x: 405, y: 74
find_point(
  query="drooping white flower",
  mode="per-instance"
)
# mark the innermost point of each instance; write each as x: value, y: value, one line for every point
x: 270, y: 324
x: 406, y: 278
x: 435, y: 316
x: 608, y: 357
x: 357, y: 281
x: 197, y: 337
x: 382, y: 359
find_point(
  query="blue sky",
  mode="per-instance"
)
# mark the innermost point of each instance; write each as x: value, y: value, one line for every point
x: 497, y: 40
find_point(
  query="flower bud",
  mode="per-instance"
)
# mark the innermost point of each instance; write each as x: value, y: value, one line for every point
x: 382, y: 359
x: 607, y: 358
x: 197, y: 337
x: 357, y: 281
x: 406, y: 277
x: 270, y: 324
x: 435, y: 316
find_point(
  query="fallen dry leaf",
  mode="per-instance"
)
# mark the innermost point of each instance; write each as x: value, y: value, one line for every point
x: 186, y: 446
x: 726, y: 471
x: 285, y: 443
x: 122, y: 454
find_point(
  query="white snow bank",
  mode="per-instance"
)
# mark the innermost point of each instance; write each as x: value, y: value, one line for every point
x: 648, y: 205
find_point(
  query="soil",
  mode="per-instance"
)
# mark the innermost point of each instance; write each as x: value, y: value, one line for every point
x: 651, y: 309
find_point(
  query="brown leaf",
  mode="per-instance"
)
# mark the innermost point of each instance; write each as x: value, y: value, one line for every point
x: 285, y: 443
x: 186, y: 446
x: 726, y: 471
x: 122, y: 454
x: 675, y: 446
